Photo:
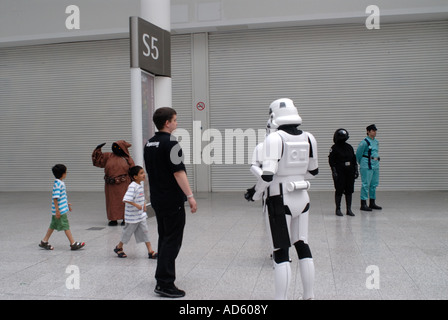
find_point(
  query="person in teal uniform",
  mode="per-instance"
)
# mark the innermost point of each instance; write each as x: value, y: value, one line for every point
x: 369, y: 162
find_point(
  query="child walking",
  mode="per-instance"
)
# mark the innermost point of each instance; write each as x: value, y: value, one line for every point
x: 59, y: 209
x: 135, y: 214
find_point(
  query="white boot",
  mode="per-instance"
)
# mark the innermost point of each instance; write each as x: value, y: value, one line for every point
x: 282, y: 275
x: 307, y: 275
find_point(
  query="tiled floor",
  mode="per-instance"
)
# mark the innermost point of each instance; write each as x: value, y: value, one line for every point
x: 225, y: 253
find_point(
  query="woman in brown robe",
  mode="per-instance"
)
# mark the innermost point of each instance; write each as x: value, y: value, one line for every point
x: 116, y: 165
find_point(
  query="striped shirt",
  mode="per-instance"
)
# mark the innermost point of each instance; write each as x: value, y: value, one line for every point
x: 136, y: 194
x: 60, y: 193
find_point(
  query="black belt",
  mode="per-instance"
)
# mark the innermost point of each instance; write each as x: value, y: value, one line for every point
x: 373, y: 158
x: 344, y: 164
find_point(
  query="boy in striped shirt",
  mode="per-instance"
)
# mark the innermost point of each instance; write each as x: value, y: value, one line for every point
x: 59, y: 209
x: 135, y: 214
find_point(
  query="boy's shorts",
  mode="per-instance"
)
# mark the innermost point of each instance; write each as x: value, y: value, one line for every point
x: 139, y: 230
x: 59, y: 224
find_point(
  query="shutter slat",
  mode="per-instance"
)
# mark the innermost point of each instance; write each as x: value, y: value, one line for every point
x: 340, y: 76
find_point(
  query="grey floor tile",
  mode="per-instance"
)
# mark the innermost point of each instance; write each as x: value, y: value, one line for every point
x: 226, y: 251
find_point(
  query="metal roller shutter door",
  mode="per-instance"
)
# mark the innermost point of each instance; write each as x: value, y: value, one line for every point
x: 340, y: 76
x: 57, y: 103
x: 182, y: 90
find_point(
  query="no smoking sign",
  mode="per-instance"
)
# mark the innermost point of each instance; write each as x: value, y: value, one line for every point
x: 200, y: 106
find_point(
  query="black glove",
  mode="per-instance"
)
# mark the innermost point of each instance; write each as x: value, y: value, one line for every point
x: 249, y: 194
x: 100, y: 146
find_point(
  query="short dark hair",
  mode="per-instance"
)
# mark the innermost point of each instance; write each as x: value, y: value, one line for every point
x: 134, y: 171
x: 59, y: 170
x: 162, y: 115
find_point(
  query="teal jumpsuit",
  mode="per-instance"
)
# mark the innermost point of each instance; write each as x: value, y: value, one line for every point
x: 369, y: 163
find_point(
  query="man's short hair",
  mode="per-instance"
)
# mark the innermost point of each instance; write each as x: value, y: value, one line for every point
x: 162, y: 115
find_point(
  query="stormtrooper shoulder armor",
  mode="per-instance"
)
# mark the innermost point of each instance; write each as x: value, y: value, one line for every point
x: 272, y: 153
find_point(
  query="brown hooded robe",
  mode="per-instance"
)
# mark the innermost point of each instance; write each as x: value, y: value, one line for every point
x: 116, y: 178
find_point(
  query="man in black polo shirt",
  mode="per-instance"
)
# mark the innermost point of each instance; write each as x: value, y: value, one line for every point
x: 169, y: 188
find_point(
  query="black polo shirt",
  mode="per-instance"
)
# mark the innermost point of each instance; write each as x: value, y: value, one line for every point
x: 163, y: 157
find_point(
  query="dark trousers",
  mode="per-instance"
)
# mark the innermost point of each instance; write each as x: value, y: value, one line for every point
x: 170, y: 226
x: 345, y: 182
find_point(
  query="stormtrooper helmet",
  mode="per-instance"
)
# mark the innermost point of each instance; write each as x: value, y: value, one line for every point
x: 283, y: 111
x: 341, y: 135
x: 269, y: 127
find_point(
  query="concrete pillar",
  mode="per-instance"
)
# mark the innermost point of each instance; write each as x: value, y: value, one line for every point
x: 157, y: 12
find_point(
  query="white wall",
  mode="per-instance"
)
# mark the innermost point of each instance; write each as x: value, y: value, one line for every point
x: 24, y: 22
x: 43, y: 21
x: 220, y: 15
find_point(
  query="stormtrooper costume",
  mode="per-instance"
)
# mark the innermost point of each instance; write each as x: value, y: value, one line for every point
x: 256, y: 167
x: 288, y: 159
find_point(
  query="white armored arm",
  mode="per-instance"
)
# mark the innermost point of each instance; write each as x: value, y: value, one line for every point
x: 272, y: 153
x: 313, y: 165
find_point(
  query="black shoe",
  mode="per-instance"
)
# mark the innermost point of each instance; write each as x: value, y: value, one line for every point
x: 350, y: 212
x: 337, y: 200
x: 364, y: 206
x: 172, y: 292
x: 348, y: 202
x: 113, y: 223
x: 373, y: 205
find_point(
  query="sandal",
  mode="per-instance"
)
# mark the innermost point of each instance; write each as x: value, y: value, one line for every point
x: 153, y: 255
x: 45, y: 245
x: 120, y: 252
x: 77, y: 245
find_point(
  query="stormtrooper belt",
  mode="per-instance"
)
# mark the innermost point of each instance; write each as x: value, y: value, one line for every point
x: 290, y: 187
x: 297, y: 185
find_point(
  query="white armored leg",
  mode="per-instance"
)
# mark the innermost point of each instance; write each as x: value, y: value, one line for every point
x: 307, y: 275
x: 282, y: 274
